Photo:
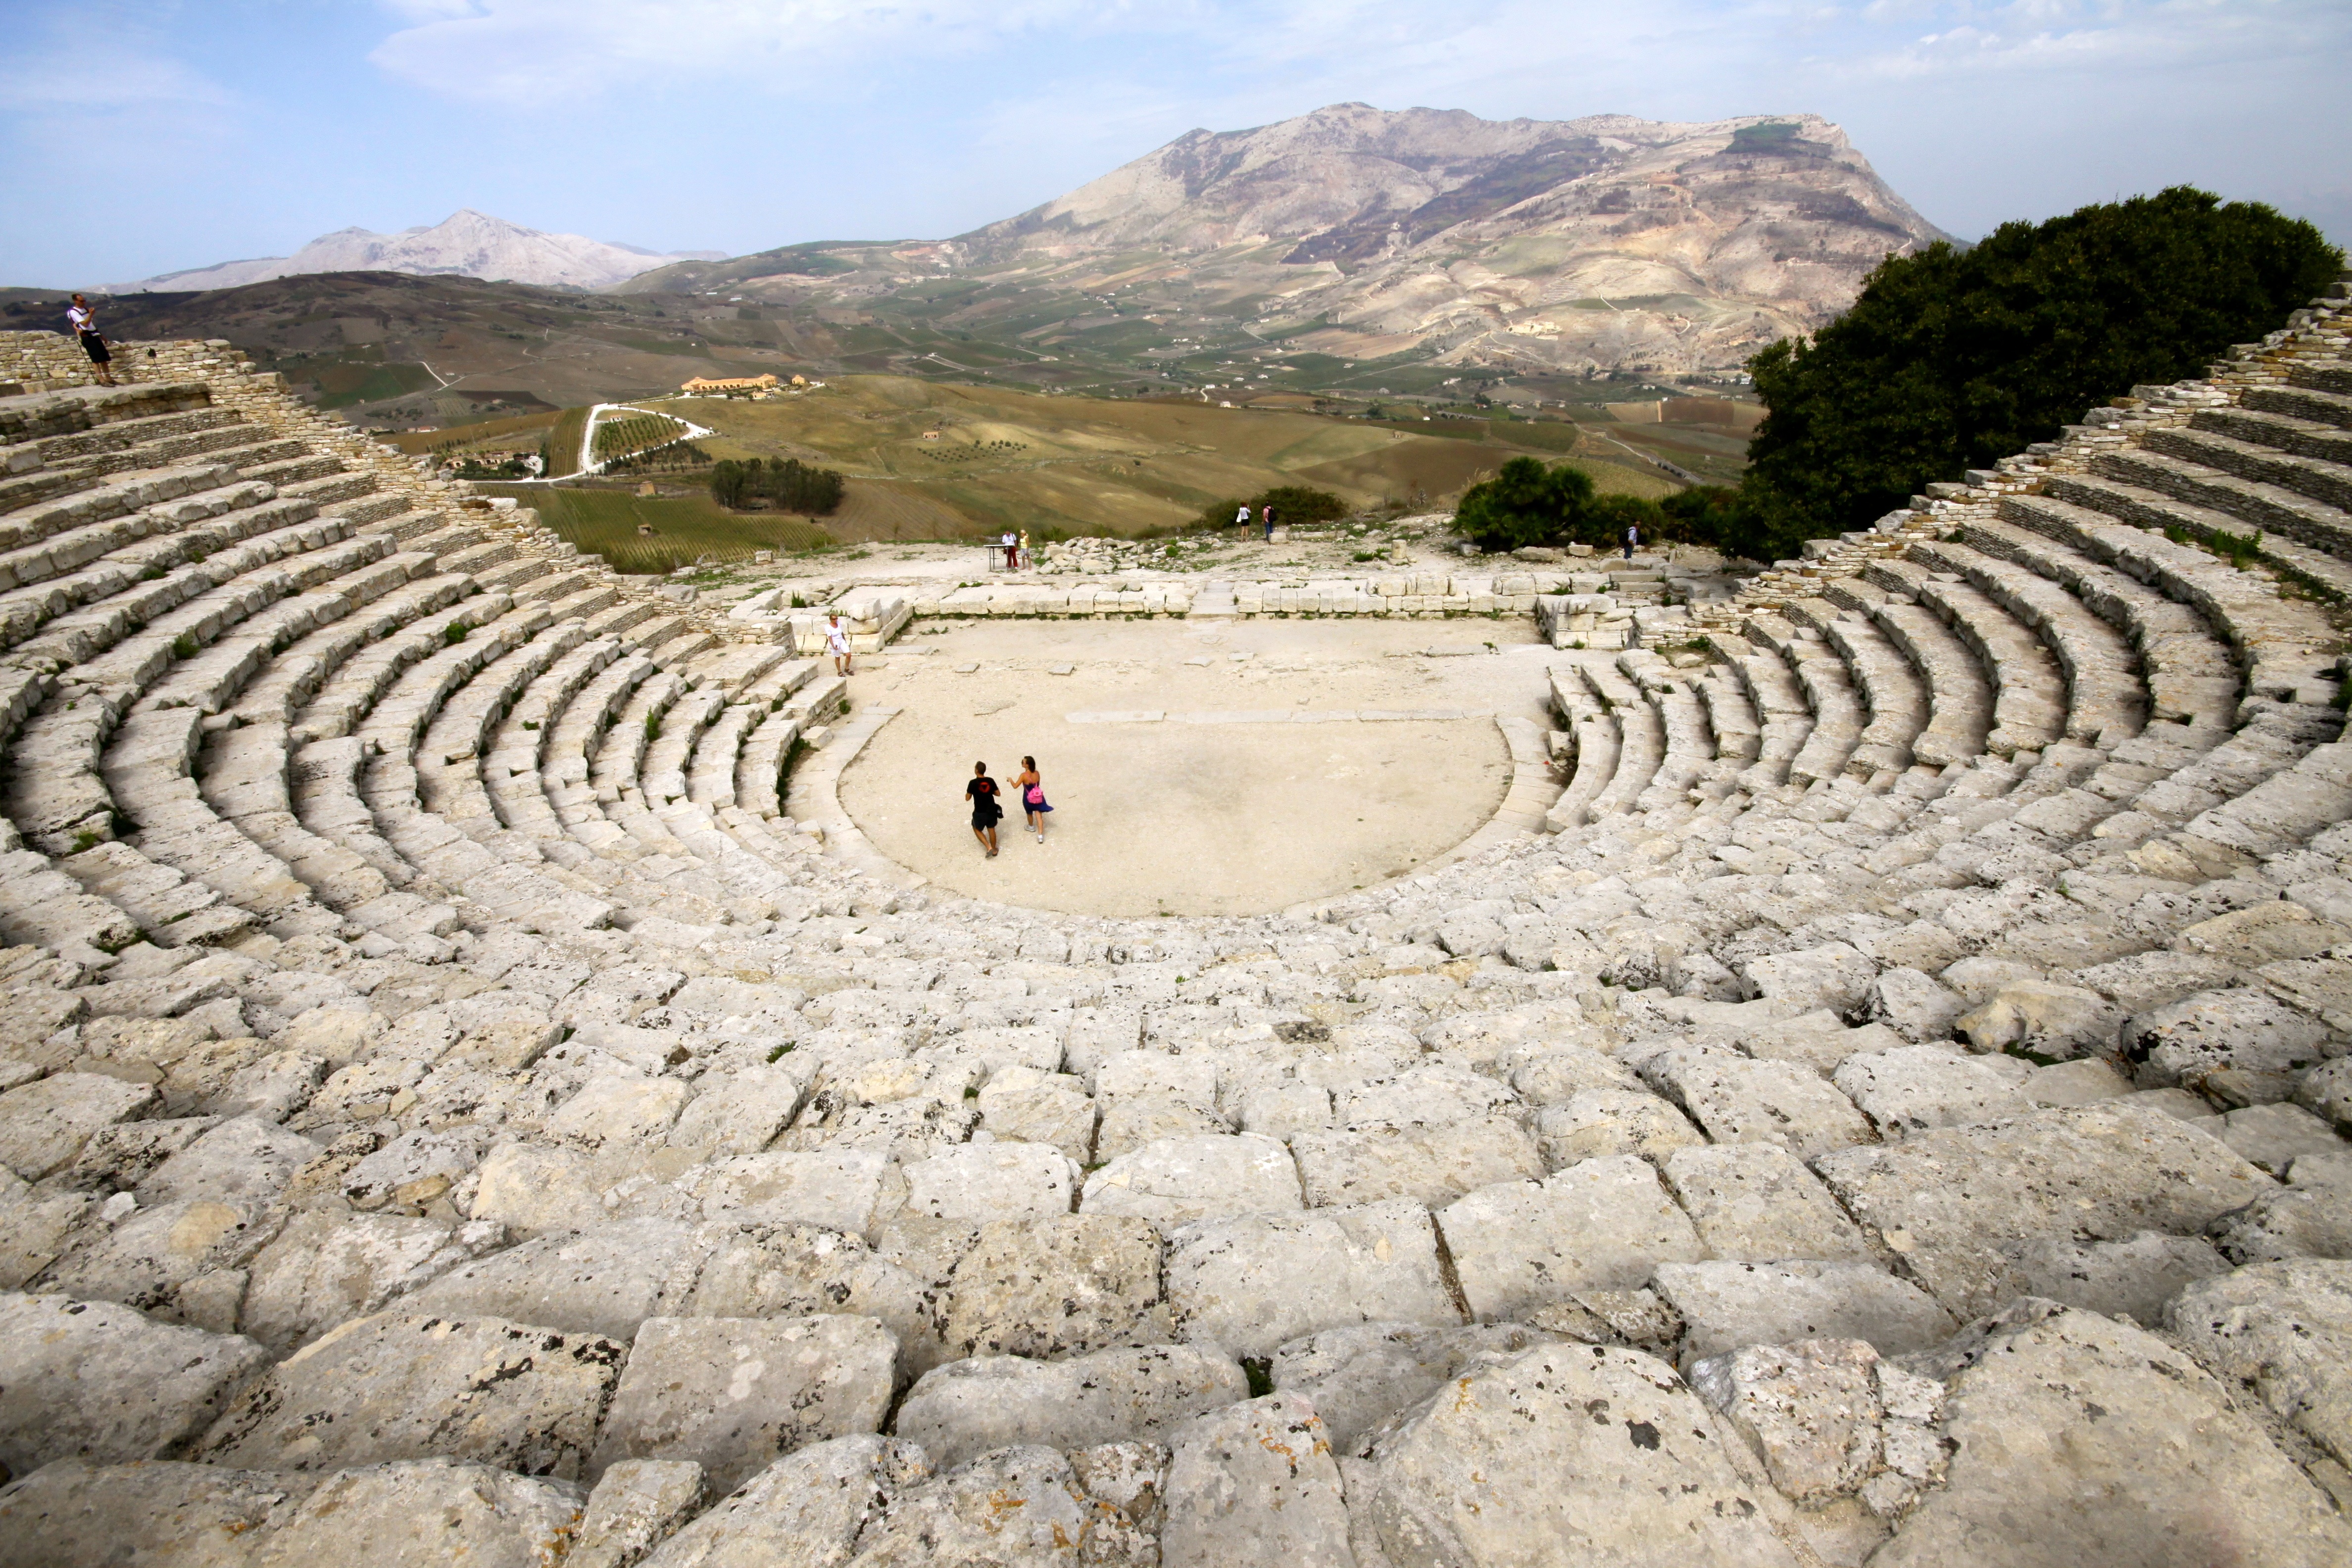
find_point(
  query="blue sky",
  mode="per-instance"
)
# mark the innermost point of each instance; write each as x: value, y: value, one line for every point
x: 145, y: 136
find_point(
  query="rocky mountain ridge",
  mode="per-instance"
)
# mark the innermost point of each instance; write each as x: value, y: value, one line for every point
x: 467, y: 242
x: 1602, y: 243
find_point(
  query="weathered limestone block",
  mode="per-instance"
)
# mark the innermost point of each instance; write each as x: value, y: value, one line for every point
x: 734, y: 1394
x: 619, y: 1110
x: 407, y: 1515
x: 2045, y: 1019
x: 1435, y: 1095
x: 1601, y: 1225
x: 326, y: 1269
x: 1249, y: 1284
x: 99, y: 1383
x: 2054, y: 1413
x: 1727, y: 1305
x: 1281, y: 1109
x: 1914, y: 1088
x: 842, y: 1189
x: 1178, y: 1180
x: 2082, y: 1081
x: 607, y: 1282
x: 1021, y: 1104
x: 276, y: 1086
x: 409, y: 1174
x: 2263, y: 1043
x: 399, y: 1386
x: 117, y: 1159
x: 1602, y: 1121
x: 2276, y: 1136
x: 1055, y: 1287
x: 2275, y: 933
x: 1914, y: 1006
x: 1020, y: 1505
x: 2311, y: 1217
x: 69, y: 1515
x: 1133, y: 1121
x: 1430, y: 1165
x: 1809, y: 1409
x: 2326, y: 1091
x: 1951, y: 1202
x: 1360, y: 1376
x: 1817, y: 1040
x: 1836, y: 975
x: 248, y: 1160
x: 637, y: 1505
x: 1556, y: 1076
x: 2131, y: 1277
x: 981, y: 1181
x: 533, y: 1190
x: 803, y: 1511
x: 151, y: 1254
x: 792, y: 1270
x: 1255, y: 1484
x: 44, y: 1124
x: 35, y: 1228
x: 962, y: 1410
x: 1740, y: 1100
x: 1753, y: 1203
x: 2284, y: 1330
x: 1564, y: 1453
x: 737, y: 1113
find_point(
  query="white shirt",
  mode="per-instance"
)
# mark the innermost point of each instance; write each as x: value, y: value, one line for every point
x: 1242, y: 516
x: 79, y: 318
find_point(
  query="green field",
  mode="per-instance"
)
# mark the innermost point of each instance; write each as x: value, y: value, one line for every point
x: 563, y: 443
x: 605, y: 523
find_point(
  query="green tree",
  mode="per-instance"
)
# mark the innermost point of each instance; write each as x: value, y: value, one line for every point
x: 1525, y: 503
x: 1953, y: 358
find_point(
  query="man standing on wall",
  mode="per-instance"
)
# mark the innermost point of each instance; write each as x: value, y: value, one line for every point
x: 84, y: 323
x: 1269, y: 517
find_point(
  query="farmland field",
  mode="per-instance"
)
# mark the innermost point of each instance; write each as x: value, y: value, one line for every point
x: 605, y: 523
x: 931, y: 459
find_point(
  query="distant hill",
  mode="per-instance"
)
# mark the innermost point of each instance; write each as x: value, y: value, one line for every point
x: 467, y: 242
x: 1607, y: 243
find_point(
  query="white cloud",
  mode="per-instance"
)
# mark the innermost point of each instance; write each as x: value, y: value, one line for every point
x: 539, y: 49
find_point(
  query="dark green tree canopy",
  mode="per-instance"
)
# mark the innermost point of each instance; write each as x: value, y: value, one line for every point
x: 786, y: 483
x: 1951, y: 359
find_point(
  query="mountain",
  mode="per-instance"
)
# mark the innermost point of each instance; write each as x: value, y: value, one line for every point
x: 1519, y: 246
x: 467, y: 242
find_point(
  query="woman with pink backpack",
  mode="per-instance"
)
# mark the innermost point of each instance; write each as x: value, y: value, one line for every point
x: 1033, y: 797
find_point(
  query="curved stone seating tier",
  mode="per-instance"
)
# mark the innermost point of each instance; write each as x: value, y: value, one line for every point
x: 449, y: 1107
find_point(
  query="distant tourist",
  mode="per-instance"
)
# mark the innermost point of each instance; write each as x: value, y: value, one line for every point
x: 985, y: 812
x: 1027, y: 560
x: 1011, y: 544
x: 1242, y: 518
x: 84, y: 323
x: 1033, y: 797
x: 1269, y: 525
x: 1632, y: 538
x: 837, y: 643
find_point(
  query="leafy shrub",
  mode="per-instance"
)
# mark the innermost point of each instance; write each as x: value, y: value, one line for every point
x: 1291, y: 503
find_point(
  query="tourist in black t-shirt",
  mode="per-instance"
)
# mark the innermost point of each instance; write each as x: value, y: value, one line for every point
x: 985, y: 812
